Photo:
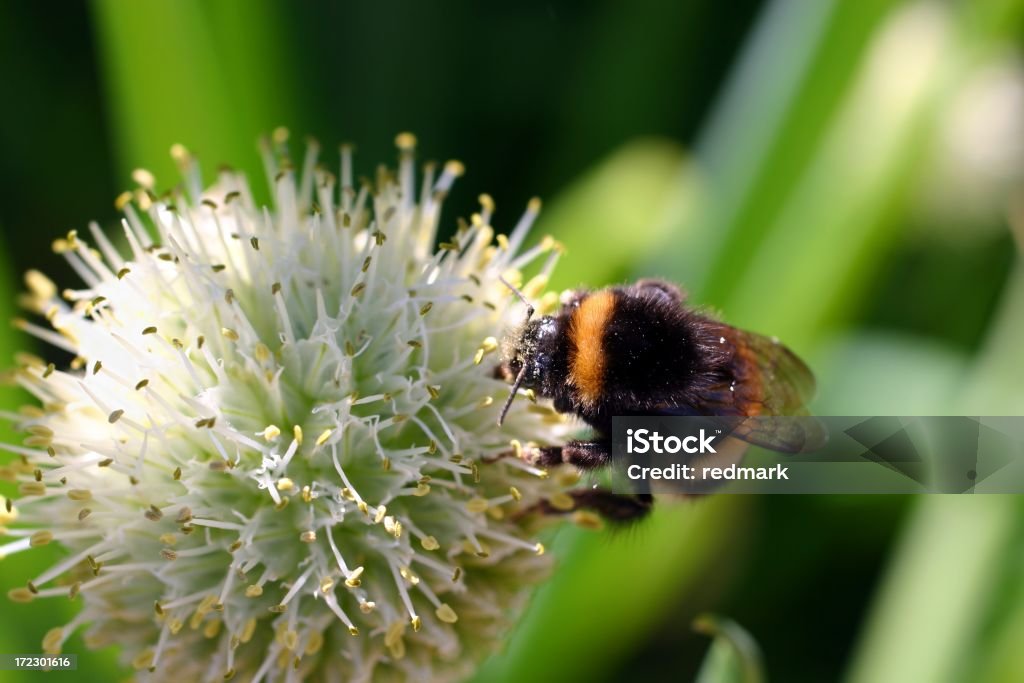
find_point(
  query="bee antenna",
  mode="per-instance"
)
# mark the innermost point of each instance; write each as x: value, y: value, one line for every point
x: 522, y: 372
x: 522, y: 297
x: 512, y: 394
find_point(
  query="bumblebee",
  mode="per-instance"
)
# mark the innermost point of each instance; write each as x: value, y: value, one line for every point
x: 640, y: 349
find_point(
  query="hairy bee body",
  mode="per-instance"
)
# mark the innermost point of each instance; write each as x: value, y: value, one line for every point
x: 640, y: 350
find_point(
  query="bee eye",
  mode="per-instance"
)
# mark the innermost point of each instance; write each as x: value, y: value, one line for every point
x: 515, y: 363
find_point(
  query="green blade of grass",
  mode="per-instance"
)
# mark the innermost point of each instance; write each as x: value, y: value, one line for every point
x: 764, y: 131
x: 734, y: 656
x: 928, y: 617
x: 935, y: 594
x: 212, y: 76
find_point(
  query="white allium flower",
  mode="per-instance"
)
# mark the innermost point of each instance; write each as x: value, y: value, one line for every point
x: 272, y: 454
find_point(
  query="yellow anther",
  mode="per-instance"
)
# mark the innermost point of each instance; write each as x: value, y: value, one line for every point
x: 455, y: 167
x: 122, y: 200
x: 53, y: 640
x: 315, y: 644
x: 405, y: 141
x: 587, y: 520
x: 535, y: 286
x: 446, y: 614
x: 561, y: 501
x: 144, y: 178
x: 248, y: 631
x: 40, y: 538
x: 143, y: 660
x: 32, y: 488
x: 42, y: 287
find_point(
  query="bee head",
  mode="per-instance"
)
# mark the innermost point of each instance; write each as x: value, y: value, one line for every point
x: 527, y: 353
x: 526, y: 358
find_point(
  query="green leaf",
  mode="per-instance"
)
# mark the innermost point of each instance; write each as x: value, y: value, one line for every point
x: 876, y: 373
x: 734, y: 656
x: 210, y: 75
x: 933, y: 599
x: 764, y: 131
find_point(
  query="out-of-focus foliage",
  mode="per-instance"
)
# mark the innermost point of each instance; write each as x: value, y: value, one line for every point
x: 835, y: 173
x: 734, y: 656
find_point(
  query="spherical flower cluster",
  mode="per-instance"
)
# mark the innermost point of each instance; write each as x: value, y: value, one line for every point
x: 275, y: 454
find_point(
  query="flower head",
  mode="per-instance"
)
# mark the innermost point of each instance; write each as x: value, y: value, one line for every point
x: 274, y: 453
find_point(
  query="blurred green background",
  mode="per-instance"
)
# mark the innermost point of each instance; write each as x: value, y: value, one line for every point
x: 848, y: 176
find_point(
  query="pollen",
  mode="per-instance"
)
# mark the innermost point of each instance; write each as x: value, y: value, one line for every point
x: 40, y: 539
x: 562, y: 501
x: 322, y: 439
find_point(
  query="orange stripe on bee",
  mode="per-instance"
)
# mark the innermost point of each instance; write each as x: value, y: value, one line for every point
x: 587, y: 358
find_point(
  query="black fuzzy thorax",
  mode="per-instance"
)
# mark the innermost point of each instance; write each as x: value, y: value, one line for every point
x: 657, y: 353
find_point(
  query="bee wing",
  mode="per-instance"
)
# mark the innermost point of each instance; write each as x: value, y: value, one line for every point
x: 770, y: 379
x: 767, y: 381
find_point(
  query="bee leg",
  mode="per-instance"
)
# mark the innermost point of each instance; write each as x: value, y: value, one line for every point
x: 586, y: 455
x: 614, y: 508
